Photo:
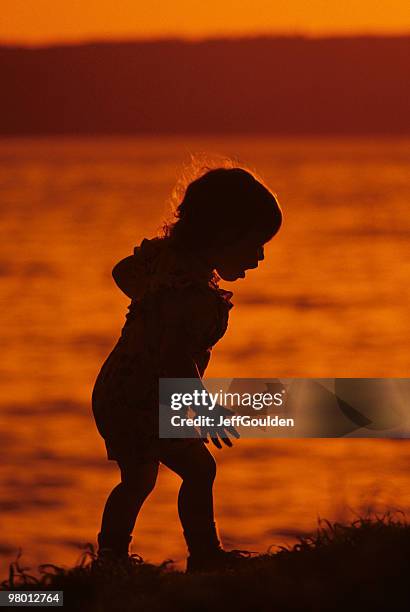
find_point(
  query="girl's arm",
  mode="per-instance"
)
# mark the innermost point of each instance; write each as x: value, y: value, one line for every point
x: 176, y: 361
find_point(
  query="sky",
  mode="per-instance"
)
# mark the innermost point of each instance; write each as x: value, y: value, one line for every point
x: 48, y: 21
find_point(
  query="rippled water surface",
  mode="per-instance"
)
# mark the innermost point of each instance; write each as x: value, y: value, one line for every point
x: 331, y: 299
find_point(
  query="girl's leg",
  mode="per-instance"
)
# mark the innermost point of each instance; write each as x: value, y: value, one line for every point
x: 124, y: 503
x: 192, y: 461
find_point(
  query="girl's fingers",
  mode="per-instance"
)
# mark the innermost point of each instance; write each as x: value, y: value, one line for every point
x: 226, y: 441
x: 214, y: 433
x: 233, y: 431
x: 215, y: 439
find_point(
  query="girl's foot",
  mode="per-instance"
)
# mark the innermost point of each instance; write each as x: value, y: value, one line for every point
x: 218, y: 560
x: 113, y: 552
x: 108, y: 558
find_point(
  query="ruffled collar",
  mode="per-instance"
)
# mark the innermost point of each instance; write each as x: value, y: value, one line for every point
x: 165, y: 265
x: 224, y: 294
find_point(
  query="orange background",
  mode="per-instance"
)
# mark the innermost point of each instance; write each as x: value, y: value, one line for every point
x: 49, y: 21
x: 331, y: 299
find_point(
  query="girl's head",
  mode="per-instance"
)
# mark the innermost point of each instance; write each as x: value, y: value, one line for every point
x: 226, y: 216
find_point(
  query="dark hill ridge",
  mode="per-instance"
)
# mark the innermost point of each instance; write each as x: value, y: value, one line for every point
x: 364, y: 563
x: 289, y: 85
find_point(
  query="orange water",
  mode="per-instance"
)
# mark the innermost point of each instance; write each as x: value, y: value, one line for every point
x: 331, y: 299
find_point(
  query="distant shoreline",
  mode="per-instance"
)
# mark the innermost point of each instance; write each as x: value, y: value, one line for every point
x: 195, y: 40
x: 155, y: 136
x: 288, y: 85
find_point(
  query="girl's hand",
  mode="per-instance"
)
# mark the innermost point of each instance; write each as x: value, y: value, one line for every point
x: 217, y: 432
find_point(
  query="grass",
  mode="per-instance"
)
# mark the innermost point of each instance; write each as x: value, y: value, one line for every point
x: 364, y: 565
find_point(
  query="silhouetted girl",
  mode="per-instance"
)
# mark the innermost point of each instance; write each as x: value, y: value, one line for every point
x: 177, y: 314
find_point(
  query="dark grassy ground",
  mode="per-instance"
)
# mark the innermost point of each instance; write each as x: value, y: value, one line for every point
x: 364, y: 565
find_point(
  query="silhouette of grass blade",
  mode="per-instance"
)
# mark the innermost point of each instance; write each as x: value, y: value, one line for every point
x: 366, y: 559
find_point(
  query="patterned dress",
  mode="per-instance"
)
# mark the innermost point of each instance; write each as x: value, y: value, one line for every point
x: 172, y: 294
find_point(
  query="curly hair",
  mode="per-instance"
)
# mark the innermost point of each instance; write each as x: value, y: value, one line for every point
x: 222, y: 205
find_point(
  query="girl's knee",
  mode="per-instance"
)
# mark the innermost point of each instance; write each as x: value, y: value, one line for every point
x: 203, y: 468
x: 211, y: 467
x: 139, y: 481
x: 195, y: 463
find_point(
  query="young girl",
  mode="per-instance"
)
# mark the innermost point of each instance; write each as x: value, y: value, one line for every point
x: 176, y: 315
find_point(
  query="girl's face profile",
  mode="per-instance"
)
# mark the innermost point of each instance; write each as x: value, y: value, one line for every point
x: 244, y: 254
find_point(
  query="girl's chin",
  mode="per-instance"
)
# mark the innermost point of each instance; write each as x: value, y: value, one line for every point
x: 232, y: 277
